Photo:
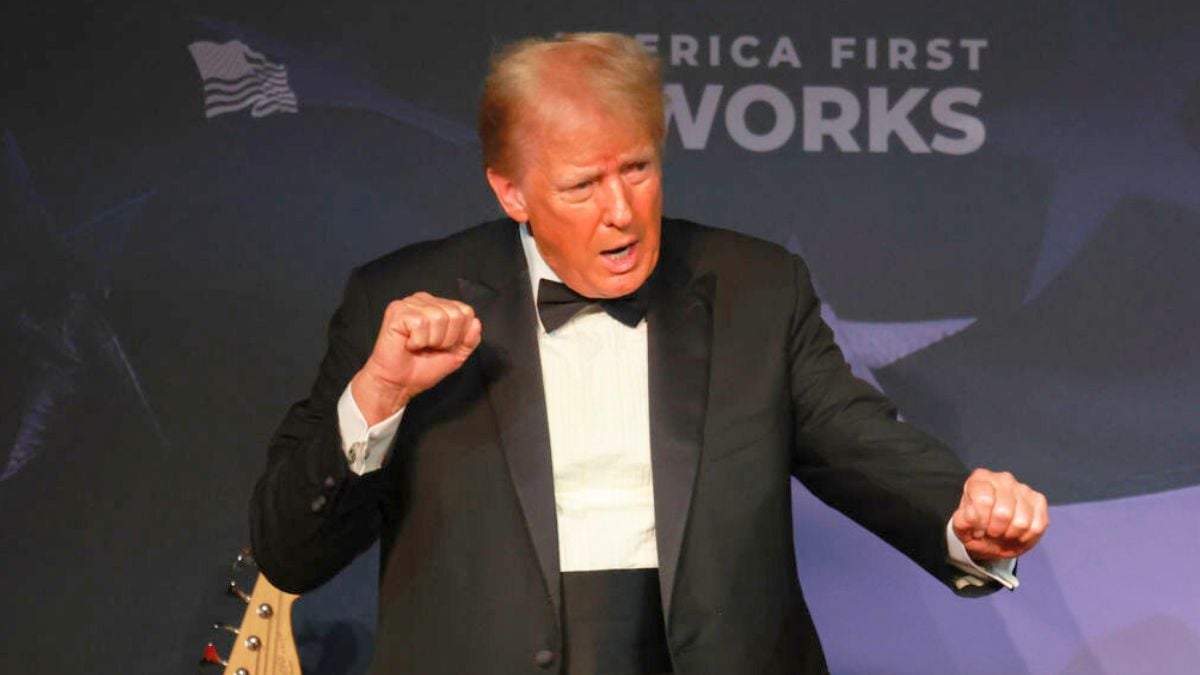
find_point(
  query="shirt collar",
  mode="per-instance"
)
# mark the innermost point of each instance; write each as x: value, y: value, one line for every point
x: 538, y: 268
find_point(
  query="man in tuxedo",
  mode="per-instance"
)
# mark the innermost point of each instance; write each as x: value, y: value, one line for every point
x: 574, y: 429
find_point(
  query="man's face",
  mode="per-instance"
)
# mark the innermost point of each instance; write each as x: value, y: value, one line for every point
x: 589, y: 185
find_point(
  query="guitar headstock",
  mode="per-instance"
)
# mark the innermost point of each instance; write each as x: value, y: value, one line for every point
x: 262, y: 643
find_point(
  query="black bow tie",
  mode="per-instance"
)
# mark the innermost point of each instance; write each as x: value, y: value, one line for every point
x: 556, y: 305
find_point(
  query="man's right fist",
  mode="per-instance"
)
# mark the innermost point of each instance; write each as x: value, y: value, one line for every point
x: 422, y: 340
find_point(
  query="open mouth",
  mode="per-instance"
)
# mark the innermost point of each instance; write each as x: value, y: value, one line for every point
x: 620, y: 253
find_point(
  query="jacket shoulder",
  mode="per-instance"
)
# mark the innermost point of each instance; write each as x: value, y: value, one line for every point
x: 728, y: 253
x: 430, y: 265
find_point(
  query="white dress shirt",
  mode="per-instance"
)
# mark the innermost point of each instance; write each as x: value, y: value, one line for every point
x: 596, y: 380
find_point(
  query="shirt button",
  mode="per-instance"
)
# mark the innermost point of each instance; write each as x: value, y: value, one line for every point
x: 318, y: 503
x: 544, y: 658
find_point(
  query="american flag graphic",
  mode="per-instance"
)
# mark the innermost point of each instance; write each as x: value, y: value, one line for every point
x: 237, y: 77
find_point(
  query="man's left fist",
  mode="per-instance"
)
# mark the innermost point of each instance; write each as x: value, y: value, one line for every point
x: 998, y: 516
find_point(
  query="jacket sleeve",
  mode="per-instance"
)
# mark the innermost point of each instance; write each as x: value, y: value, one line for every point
x: 310, y: 515
x: 853, y: 454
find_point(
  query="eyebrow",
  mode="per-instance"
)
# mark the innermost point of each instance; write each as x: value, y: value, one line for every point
x: 574, y: 176
x: 645, y: 154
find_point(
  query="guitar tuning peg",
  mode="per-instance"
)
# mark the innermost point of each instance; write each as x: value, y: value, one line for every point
x: 225, y: 627
x: 211, y: 657
x: 244, y: 559
x: 236, y: 592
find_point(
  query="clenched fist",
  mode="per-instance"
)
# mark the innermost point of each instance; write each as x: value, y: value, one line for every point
x: 422, y: 339
x: 998, y: 516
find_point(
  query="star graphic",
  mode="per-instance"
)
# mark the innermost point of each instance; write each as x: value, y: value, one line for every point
x: 57, y: 331
x: 1108, y: 126
x: 871, y: 345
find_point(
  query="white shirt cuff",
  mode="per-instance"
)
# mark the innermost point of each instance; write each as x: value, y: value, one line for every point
x: 1000, y: 571
x: 365, y: 447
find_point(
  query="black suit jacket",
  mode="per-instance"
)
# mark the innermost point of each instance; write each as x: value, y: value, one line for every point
x: 747, y: 389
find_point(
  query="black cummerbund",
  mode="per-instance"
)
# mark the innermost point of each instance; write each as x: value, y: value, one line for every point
x: 613, y: 623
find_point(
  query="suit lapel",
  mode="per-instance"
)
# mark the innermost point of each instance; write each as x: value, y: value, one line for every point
x: 511, y: 367
x: 679, y: 325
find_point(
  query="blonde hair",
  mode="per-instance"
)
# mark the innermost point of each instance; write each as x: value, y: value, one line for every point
x: 610, y: 69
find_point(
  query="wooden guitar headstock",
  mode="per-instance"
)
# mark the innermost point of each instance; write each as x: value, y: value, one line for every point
x: 263, y: 643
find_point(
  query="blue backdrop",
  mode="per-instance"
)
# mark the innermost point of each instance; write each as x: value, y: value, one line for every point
x: 1000, y: 203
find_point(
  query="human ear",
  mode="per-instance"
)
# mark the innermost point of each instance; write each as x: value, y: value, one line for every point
x: 510, y: 196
